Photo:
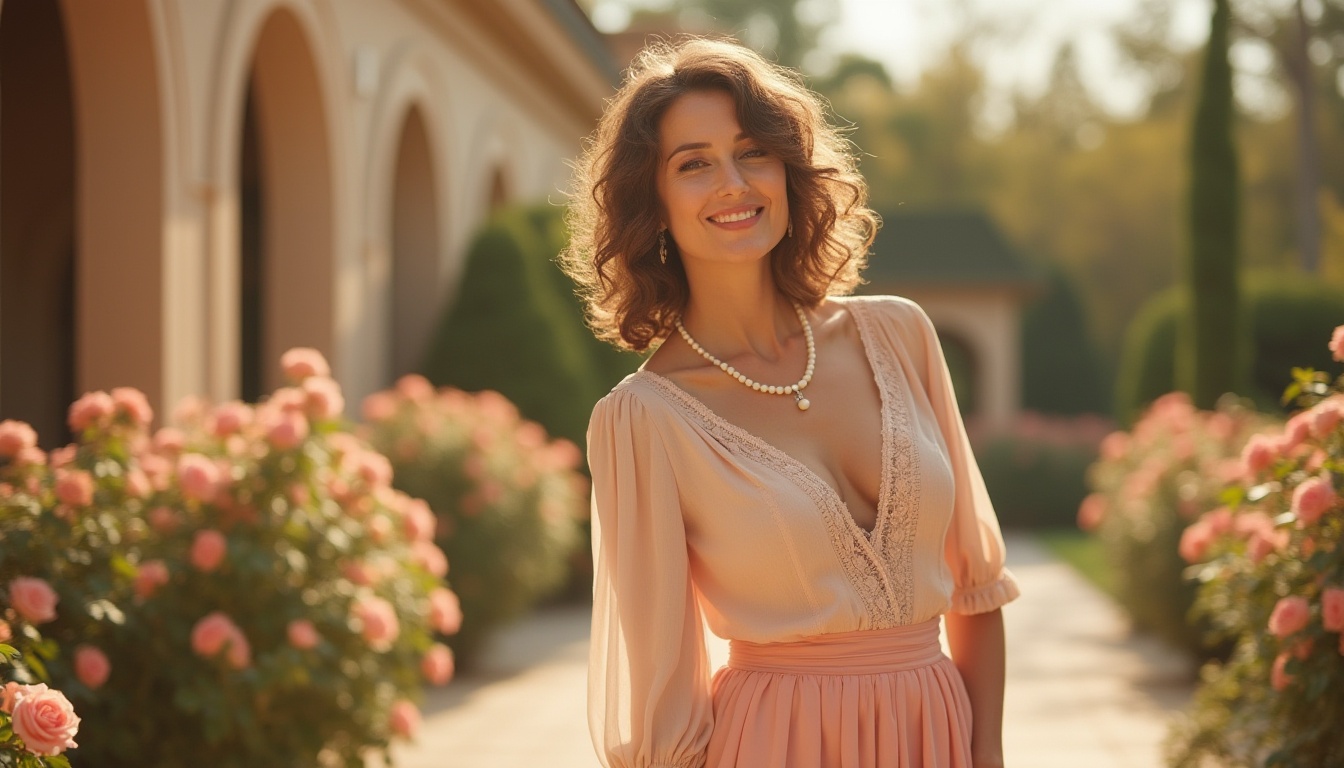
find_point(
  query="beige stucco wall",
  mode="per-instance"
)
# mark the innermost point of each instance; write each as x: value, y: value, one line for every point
x: 159, y: 93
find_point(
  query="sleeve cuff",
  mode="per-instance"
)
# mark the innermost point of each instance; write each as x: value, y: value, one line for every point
x: 986, y: 597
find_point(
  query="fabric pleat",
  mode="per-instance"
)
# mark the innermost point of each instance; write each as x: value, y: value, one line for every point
x: 885, y: 698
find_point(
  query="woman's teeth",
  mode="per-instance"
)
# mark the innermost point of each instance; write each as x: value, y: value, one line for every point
x: 730, y: 218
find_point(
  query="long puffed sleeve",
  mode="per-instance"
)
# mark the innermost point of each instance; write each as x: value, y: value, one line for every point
x: 974, y: 549
x: 648, y: 672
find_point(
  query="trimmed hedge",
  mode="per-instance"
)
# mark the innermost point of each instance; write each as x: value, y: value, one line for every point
x: 1288, y: 315
x: 1062, y: 371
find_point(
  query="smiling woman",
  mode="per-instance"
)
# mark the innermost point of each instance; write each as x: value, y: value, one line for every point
x: 823, y: 535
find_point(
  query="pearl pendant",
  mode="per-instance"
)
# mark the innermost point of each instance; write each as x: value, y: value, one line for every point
x: 803, y: 402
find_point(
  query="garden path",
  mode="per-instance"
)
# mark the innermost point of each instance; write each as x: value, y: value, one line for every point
x: 1081, y: 689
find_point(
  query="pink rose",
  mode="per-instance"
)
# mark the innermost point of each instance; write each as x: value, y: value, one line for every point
x: 1290, y: 616
x: 1337, y: 343
x: 208, y: 550
x: 300, y: 363
x: 380, y: 406
x: 30, y: 457
x: 137, y: 484
x: 1332, y: 609
x: 1325, y: 416
x: 445, y: 612
x: 418, y: 520
x: 302, y: 634
x: 74, y: 487
x: 404, y: 719
x: 93, y: 409
x: 6, y: 632
x: 1258, y: 454
x: 430, y: 557
x: 198, y: 477
x: 134, y: 404
x: 374, y: 469
x: 415, y: 388
x: 378, y: 622
x: 149, y: 576
x: 163, y: 520
x: 34, y: 599
x: 1265, y: 541
x: 44, y: 719
x: 216, y: 632
x: 7, y: 695
x: 170, y: 440
x: 287, y: 430
x: 1195, y: 541
x: 1312, y: 499
x: 91, y: 666
x: 1091, y: 512
x: 324, y: 398
x: 437, y: 665
x: 16, y: 436
x: 360, y: 572
x: 1278, y: 676
x: 380, y: 529
x: 229, y: 418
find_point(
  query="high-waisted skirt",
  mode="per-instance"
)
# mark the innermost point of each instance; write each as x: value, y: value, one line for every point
x: 887, y: 698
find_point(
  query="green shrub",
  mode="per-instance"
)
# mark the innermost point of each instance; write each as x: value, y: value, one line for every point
x: 1288, y: 315
x: 507, y: 498
x: 1036, y: 473
x: 248, y: 588
x: 1062, y: 372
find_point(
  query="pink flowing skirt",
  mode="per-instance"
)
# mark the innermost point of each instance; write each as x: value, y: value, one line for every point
x: 864, y: 699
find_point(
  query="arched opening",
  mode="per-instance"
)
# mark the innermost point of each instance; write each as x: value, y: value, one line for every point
x: 415, y: 247
x: 499, y: 190
x: 37, y: 220
x: 286, y: 237
x: 964, y: 369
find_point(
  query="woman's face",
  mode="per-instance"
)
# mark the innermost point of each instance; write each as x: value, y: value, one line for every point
x: 724, y: 196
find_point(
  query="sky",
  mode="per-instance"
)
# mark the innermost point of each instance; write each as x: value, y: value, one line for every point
x: 909, y: 35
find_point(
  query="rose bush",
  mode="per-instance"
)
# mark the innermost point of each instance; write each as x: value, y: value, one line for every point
x: 202, y: 591
x: 37, y: 723
x: 1148, y: 486
x: 1272, y: 578
x: 506, y: 499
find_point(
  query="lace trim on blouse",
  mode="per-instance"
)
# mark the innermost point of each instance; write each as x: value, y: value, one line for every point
x: 879, y: 565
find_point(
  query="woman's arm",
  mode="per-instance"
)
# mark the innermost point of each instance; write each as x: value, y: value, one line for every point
x: 976, y: 642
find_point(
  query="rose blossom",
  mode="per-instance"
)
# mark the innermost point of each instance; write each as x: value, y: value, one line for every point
x: 44, y: 719
x: 404, y: 719
x: 208, y: 550
x: 437, y: 665
x: 323, y: 397
x: 378, y: 622
x: 7, y: 695
x: 6, y: 632
x: 149, y: 576
x: 1332, y: 609
x: 300, y: 363
x: 380, y: 406
x: 1265, y: 541
x: 91, y: 666
x: 34, y: 599
x: 1259, y: 454
x: 374, y: 469
x: 1091, y: 512
x: 163, y: 520
x: 445, y: 611
x: 134, y: 404
x: 1337, y: 344
x: 418, y: 520
x: 302, y: 634
x: 1325, y: 416
x: 380, y: 528
x: 287, y: 430
x: 1195, y: 541
x: 430, y: 557
x: 1312, y: 498
x: 216, y: 632
x: 1278, y: 676
x: 92, y: 409
x: 170, y: 440
x: 15, y: 436
x: 415, y: 388
x: 74, y: 487
x: 198, y: 476
x: 1290, y: 615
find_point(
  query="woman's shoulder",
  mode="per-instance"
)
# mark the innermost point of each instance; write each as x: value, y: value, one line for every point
x: 903, y: 314
x: 635, y: 400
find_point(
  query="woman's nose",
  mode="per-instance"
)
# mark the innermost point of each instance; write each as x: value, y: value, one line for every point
x: 732, y: 181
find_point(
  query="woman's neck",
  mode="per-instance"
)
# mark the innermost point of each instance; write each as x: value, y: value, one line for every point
x: 736, y: 309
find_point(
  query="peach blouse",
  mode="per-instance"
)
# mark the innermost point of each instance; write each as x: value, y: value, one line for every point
x: 696, y: 520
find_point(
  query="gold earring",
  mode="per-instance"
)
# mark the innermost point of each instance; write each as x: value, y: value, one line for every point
x: 662, y: 245
x: 789, y: 232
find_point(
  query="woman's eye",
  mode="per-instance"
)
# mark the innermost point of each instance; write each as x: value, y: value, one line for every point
x: 690, y: 165
x: 755, y: 152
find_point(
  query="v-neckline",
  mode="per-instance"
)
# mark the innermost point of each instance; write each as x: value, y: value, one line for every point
x: 878, y: 376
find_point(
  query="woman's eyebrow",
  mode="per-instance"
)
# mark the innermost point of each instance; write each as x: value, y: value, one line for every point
x: 700, y: 145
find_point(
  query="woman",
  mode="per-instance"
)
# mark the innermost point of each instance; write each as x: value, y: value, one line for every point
x: 789, y: 464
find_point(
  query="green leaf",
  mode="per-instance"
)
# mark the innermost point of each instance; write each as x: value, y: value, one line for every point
x: 59, y: 761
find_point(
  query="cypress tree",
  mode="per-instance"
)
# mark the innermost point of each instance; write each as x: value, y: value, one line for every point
x: 1210, y: 346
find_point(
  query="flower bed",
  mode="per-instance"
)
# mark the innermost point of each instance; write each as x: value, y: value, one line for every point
x: 1273, y: 584
x: 244, y: 589
x: 508, y: 499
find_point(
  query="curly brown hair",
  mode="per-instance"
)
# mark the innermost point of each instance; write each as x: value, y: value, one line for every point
x: 615, y: 213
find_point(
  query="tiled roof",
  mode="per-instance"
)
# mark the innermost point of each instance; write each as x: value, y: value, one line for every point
x: 940, y: 246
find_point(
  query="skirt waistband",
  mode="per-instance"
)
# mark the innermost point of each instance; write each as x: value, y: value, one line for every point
x: 861, y: 652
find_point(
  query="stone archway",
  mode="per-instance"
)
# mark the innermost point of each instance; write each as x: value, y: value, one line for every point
x: 37, y: 220
x: 416, y: 246
x: 286, y: 236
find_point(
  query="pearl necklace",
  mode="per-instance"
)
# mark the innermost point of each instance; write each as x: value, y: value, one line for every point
x: 793, y: 389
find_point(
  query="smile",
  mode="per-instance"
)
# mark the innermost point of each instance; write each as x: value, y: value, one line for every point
x: 729, y: 218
